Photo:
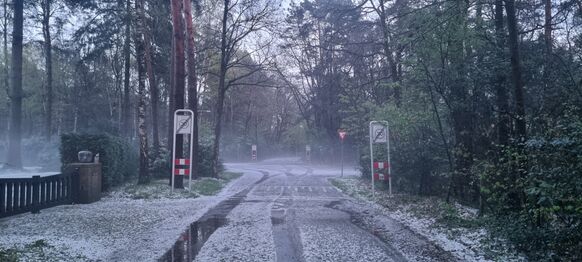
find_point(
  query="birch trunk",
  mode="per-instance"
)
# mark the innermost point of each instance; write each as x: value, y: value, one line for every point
x: 143, y: 176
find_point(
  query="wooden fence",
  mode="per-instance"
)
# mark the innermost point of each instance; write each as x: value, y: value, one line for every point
x: 21, y: 195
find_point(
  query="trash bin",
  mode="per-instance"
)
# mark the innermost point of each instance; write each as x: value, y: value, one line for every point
x: 86, y: 182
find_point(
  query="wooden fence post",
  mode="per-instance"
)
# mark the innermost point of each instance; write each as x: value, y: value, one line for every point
x: 35, y: 194
x: 75, y: 183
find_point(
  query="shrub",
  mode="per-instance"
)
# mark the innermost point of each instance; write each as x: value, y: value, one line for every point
x: 416, y: 151
x: 118, y: 157
x: 205, y: 161
x: 547, y: 224
x: 162, y: 164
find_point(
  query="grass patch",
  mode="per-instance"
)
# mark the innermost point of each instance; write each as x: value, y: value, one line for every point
x: 446, y: 215
x: 160, y: 188
x: 8, y: 255
x: 211, y: 186
x: 351, y: 187
x: 207, y: 186
x: 38, y: 250
x: 450, y: 217
x: 156, y: 189
x: 229, y: 176
x: 340, y: 184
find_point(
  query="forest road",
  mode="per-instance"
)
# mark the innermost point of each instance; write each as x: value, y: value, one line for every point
x: 291, y: 216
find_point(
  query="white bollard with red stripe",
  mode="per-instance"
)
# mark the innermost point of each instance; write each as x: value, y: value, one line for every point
x: 182, y: 162
x: 184, y: 169
x: 381, y: 165
x: 182, y: 172
x: 381, y: 177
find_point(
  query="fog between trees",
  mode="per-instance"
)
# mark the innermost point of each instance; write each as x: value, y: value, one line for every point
x: 483, y: 96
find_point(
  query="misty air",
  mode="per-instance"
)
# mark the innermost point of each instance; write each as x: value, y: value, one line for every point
x: 290, y: 130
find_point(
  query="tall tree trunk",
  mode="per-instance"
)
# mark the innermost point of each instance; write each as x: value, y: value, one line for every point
x: 141, y: 110
x: 170, y: 127
x: 126, y: 126
x: 548, y: 26
x: 14, y: 155
x: 117, y: 68
x: 178, y: 74
x: 192, y: 92
x: 461, y: 111
x: 154, y: 94
x: 479, y: 97
x: 547, y: 82
x: 392, y: 67
x: 5, y: 68
x: 520, y: 123
x: 224, y: 57
x: 521, y: 133
x: 501, y: 92
x: 504, y: 121
x: 46, y: 14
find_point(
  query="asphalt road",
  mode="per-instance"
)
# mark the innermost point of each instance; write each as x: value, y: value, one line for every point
x: 292, y: 214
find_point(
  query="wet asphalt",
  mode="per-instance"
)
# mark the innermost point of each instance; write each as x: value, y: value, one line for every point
x: 292, y: 213
x: 298, y: 201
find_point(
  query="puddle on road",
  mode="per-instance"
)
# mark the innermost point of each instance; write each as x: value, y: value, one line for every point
x: 333, y: 204
x: 192, y: 239
x: 285, y: 237
x: 277, y: 217
x: 277, y: 221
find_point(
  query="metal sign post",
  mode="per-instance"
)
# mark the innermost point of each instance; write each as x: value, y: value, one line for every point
x: 183, y: 125
x: 254, y: 152
x: 237, y: 152
x: 380, y: 133
x: 308, y: 153
x: 342, y: 135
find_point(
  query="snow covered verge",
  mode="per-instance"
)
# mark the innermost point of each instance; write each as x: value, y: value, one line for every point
x: 126, y: 225
x: 455, y: 228
x: 158, y: 189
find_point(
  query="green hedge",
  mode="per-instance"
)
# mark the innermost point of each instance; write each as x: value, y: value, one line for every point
x: 118, y: 157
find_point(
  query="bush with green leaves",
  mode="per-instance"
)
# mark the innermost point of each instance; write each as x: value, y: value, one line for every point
x: 205, y: 161
x: 160, y: 163
x: 118, y: 157
x: 547, y: 222
x: 416, y: 150
x: 161, y: 166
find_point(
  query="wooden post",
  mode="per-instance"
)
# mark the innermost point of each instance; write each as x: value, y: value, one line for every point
x: 35, y: 194
x: 2, y: 198
x: 75, y: 185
